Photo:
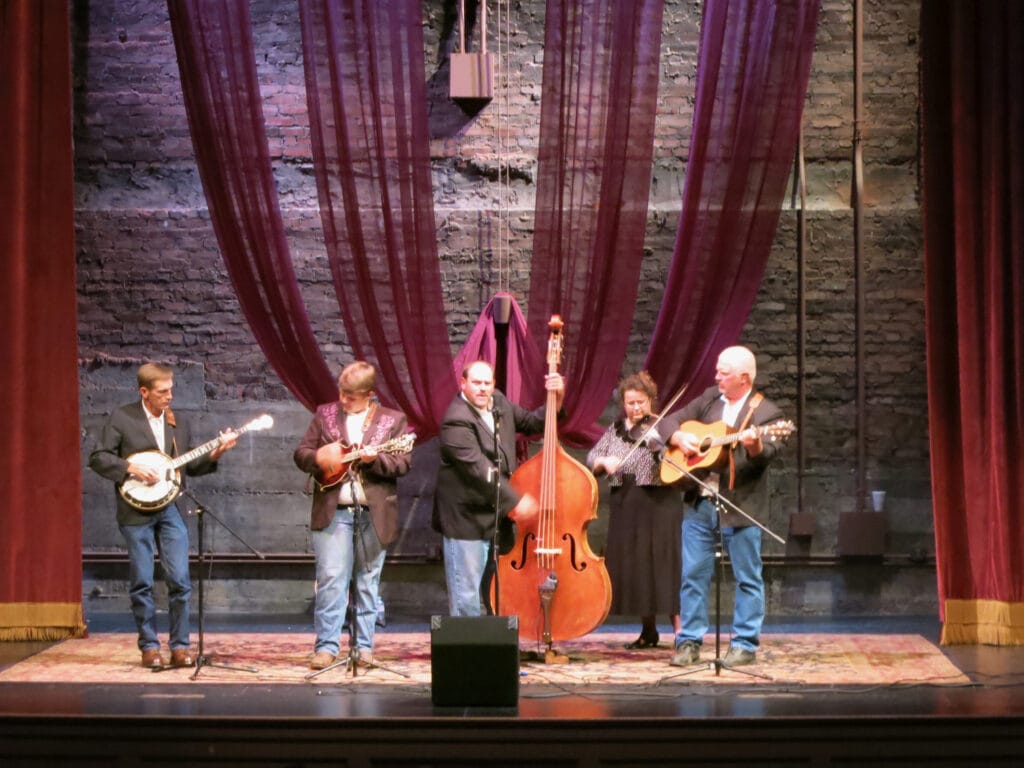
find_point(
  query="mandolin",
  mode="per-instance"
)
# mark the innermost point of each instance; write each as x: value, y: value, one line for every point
x: 336, y: 471
x: 712, y: 439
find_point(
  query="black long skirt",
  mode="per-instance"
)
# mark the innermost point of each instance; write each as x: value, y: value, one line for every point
x: 643, y: 552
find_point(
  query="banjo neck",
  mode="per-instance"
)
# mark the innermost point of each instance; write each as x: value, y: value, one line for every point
x: 210, y: 445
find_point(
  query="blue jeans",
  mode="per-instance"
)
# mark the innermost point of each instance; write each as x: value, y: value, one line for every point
x: 464, y: 564
x: 335, y: 558
x: 743, y: 545
x: 164, y: 532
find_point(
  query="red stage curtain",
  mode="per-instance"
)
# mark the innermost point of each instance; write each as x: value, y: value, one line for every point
x: 40, y: 462
x: 213, y: 40
x: 598, y: 103
x: 366, y: 91
x: 752, y: 72
x: 973, y: 174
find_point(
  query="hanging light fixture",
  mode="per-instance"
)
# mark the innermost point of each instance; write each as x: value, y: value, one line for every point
x: 472, y: 74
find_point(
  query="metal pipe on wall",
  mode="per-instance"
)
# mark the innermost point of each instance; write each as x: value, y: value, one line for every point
x: 858, y: 254
x: 800, y: 188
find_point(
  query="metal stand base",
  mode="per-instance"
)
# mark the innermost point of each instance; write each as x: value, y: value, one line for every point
x: 352, y: 663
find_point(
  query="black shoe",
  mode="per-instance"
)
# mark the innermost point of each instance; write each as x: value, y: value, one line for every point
x: 687, y: 653
x: 646, y: 640
x: 738, y: 657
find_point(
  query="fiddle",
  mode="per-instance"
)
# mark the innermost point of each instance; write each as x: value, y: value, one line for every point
x: 638, y: 435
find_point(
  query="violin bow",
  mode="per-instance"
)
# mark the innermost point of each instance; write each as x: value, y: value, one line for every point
x: 647, y: 432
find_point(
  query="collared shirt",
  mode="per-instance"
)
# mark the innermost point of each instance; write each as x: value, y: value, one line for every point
x: 156, y: 423
x: 485, y: 413
x: 731, y: 412
x: 351, y: 491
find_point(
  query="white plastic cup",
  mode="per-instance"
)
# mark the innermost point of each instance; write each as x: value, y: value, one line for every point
x: 877, y: 500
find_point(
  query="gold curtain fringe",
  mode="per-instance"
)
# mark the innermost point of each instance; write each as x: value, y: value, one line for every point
x: 986, y: 622
x: 41, y: 621
x: 15, y: 634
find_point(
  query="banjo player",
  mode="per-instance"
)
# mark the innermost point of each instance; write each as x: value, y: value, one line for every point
x: 153, y: 523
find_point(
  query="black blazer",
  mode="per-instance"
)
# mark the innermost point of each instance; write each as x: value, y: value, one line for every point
x: 464, y: 499
x: 127, y: 432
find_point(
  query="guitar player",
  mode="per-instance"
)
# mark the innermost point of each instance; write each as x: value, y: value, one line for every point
x: 148, y: 424
x: 354, y: 518
x: 742, y: 478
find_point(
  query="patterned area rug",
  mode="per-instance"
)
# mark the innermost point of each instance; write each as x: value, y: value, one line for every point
x: 598, y: 660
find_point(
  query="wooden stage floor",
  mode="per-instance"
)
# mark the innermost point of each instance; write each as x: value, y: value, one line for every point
x: 979, y: 722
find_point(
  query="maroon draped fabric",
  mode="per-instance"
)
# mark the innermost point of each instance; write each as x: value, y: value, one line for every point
x: 213, y: 39
x: 973, y: 173
x: 489, y: 339
x: 752, y: 72
x: 598, y: 103
x: 40, y: 521
x: 366, y: 91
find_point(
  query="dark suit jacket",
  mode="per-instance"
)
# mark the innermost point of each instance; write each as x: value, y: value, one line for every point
x: 378, y: 478
x: 465, y: 496
x: 127, y: 432
x: 751, y: 482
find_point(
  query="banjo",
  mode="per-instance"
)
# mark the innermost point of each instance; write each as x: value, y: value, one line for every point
x: 146, y: 497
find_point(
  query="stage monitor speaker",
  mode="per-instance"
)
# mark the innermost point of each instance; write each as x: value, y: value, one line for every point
x: 474, y: 661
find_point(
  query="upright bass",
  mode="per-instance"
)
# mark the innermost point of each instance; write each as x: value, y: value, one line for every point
x: 551, y: 578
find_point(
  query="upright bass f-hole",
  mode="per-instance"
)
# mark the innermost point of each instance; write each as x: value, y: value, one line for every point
x: 518, y: 565
x: 572, y: 553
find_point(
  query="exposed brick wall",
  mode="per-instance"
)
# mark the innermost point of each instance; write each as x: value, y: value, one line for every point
x: 152, y: 284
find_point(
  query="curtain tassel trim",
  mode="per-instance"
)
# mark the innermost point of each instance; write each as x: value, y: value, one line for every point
x: 986, y: 622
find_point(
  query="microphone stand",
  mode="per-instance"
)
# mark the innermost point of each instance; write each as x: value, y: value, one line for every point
x: 353, y: 659
x: 202, y: 660
x: 496, y: 469
x: 720, y: 502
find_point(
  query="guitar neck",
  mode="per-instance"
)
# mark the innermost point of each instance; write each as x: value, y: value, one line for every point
x: 735, y: 436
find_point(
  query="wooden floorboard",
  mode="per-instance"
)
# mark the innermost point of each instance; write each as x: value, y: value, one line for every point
x: 201, y: 723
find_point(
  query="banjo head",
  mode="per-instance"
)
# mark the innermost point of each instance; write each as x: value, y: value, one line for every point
x: 147, y: 498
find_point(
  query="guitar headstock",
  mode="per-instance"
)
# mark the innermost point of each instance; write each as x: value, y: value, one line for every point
x: 777, y: 431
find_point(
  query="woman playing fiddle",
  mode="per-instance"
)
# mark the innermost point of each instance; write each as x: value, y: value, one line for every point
x: 643, y: 552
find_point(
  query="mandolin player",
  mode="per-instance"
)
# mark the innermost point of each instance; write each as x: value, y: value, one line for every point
x: 354, y: 514
x: 741, y: 477
x: 135, y: 430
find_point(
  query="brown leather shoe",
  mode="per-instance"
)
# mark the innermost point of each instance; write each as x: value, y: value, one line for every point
x: 364, y: 657
x: 182, y: 657
x: 152, y: 659
x: 321, y: 659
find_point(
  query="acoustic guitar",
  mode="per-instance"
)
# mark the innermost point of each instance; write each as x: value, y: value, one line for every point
x: 148, y: 498
x: 712, y: 439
